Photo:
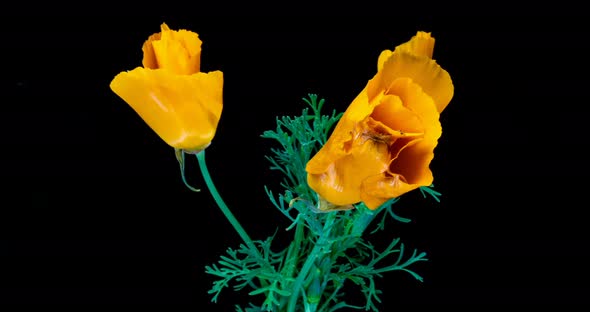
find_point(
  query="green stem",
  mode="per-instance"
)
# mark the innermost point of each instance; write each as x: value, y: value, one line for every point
x: 362, y: 220
x: 294, y: 250
x: 296, y: 289
x: 230, y: 217
x: 293, y: 255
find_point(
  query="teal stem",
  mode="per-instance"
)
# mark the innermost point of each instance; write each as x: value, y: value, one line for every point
x: 363, y: 218
x: 228, y: 214
x: 294, y: 250
x: 315, y: 252
x: 293, y: 255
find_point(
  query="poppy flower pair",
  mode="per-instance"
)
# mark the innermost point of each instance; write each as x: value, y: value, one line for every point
x: 380, y: 149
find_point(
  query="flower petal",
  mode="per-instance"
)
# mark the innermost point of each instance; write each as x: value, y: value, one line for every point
x: 419, y: 103
x: 422, y: 44
x: 409, y: 168
x: 378, y: 189
x: 182, y: 109
x: 392, y: 112
x: 176, y: 51
x: 413, y: 162
x: 384, y: 56
x: 424, y: 71
x: 342, y: 134
x: 149, y: 56
x: 340, y: 183
x: 395, y: 119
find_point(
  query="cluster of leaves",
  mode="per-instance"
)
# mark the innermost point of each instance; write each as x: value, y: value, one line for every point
x: 327, y: 249
x: 300, y: 138
x: 245, y: 267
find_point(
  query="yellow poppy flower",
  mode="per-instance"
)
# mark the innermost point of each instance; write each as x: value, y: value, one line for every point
x: 383, y: 145
x: 180, y: 103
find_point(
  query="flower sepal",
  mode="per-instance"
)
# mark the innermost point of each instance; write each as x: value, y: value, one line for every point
x: 324, y: 206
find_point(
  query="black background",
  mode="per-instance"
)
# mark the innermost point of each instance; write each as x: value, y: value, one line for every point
x: 94, y: 211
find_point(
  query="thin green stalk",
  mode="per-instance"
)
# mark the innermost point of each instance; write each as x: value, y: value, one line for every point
x: 293, y: 255
x: 362, y: 220
x: 296, y: 289
x: 294, y: 250
x: 230, y: 217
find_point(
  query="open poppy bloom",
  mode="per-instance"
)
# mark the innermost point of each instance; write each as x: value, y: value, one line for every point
x: 383, y: 145
x: 180, y: 103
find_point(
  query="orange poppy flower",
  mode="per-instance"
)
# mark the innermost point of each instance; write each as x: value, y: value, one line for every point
x: 180, y: 103
x: 383, y: 145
